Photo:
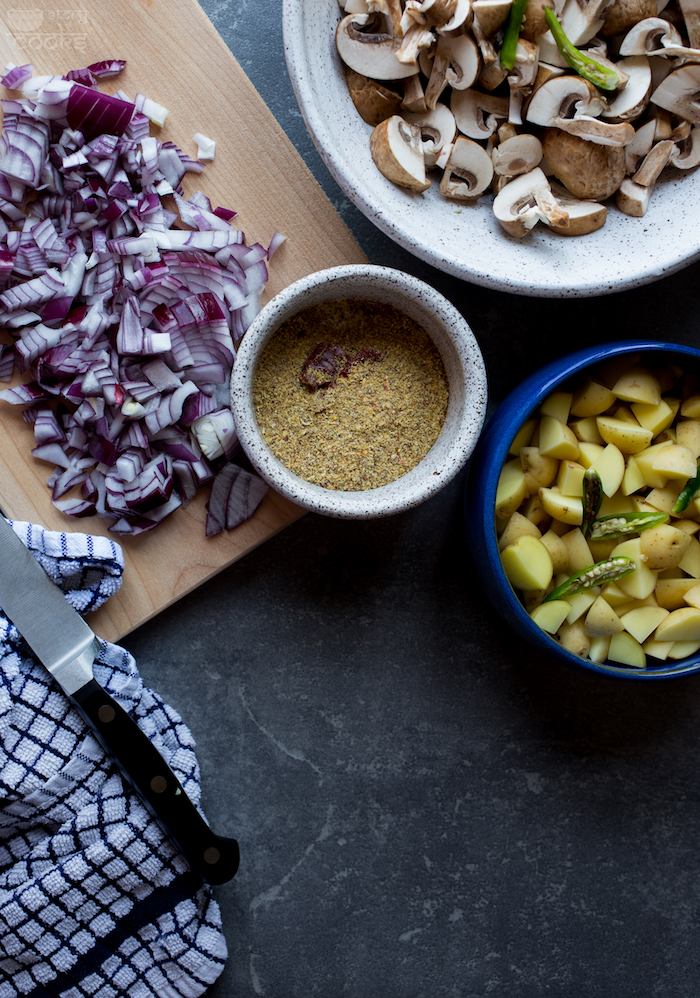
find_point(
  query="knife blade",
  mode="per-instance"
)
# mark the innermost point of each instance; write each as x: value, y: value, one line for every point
x: 67, y: 647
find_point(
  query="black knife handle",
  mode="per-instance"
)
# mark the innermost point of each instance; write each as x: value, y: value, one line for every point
x: 215, y: 858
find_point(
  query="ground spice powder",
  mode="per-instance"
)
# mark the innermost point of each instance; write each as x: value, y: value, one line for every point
x: 350, y: 395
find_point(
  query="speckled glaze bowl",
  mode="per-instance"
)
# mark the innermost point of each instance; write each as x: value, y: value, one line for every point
x: 463, y: 364
x: 465, y: 240
x: 480, y: 498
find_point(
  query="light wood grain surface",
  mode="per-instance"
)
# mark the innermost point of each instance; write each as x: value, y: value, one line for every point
x: 175, y: 56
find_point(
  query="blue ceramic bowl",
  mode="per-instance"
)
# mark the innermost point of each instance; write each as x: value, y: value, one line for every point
x: 480, y: 498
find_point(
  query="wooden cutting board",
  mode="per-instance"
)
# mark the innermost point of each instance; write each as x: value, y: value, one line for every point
x: 175, y: 57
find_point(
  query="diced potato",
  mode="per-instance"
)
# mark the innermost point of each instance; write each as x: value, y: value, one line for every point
x: 511, y: 489
x: 664, y: 499
x: 574, y: 638
x: 532, y: 598
x: 624, y: 414
x: 539, y: 469
x: 633, y: 479
x: 690, y: 562
x: 643, y: 621
x: 566, y: 509
x: 601, y: 619
x: 616, y: 504
x: 527, y: 563
x: 570, y: 478
x: 533, y: 509
x: 523, y: 436
x: 688, y: 435
x: 682, y: 649
x: 645, y: 462
x: 690, y: 526
x: 578, y: 551
x: 586, y: 431
x: 558, y: 404
x: 680, y: 625
x: 550, y: 616
x: 580, y: 604
x: 640, y: 583
x: 598, y: 650
x: 630, y: 438
x: 691, y: 407
x: 517, y: 526
x: 626, y: 650
x: 636, y: 604
x: 653, y: 417
x: 610, y: 465
x: 613, y: 595
x: 557, y: 440
x: 657, y: 649
x: 671, y: 592
x: 663, y: 546
x: 692, y: 596
x: 591, y: 399
x: 558, y: 551
x: 675, y: 461
x: 638, y: 384
x: 588, y: 453
x: 601, y: 550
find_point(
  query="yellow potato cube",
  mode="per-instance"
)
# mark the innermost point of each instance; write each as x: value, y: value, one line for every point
x: 578, y: 551
x: 655, y: 418
x: 690, y: 526
x: 523, y: 436
x: 566, y: 509
x: 688, y: 435
x: 630, y: 438
x: 557, y: 439
x: 558, y: 404
x: 527, y: 563
x: 533, y: 509
x: 588, y: 452
x: 601, y: 620
x: 671, y: 592
x: 638, y: 384
x: 591, y: 399
x: 682, y: 649
x: 574, y: 639
x: 570, y: 478
x: 511, y: 488
x: 610, y: 465
x: 539, y: 469
x: 586, y: 431
x: 601, y: 550
x: 598, y: 650
x: 613, y: 595
x: 626, y: 650
x: 692, y: 596
x: 640, y: 583
x: 580, y: 604
x: 663, y: 546
x: 680, y: 625
x: 516, y: 526
x: 663, y: 500
x: 657, y: 649
x: 691, y: 407
x: 690, y: 562
x: 645, y: 462
x: 616, y: 504
x: 633, y: 479
x: 550, y: 616
x: 643, y: 621
x: 675, y: 461
x: 558, y: 551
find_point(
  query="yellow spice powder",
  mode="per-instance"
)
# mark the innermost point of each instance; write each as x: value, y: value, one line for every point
x: 350, y: 395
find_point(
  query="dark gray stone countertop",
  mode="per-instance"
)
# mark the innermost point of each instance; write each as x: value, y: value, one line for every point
x: 427, y: 808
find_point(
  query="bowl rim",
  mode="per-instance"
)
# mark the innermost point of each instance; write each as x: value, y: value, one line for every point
x: 415, y: 486
x: 547, y: 267
x: 486, y: 464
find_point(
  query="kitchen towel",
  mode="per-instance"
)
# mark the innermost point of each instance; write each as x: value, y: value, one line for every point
x: 95, y: 902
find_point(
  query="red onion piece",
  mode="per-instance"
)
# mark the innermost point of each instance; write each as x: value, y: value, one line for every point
x: 235, y: 495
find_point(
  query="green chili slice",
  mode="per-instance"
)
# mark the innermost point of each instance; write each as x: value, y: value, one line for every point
x: 609, y: 570
x: 624, y: 524
x: 687, y: 494
x: 592, y: 498
x: 512, y: 33
x: 589, y: 69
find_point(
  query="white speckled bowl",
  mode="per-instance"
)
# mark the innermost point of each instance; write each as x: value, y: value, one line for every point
x: 465, y: 372
x: 466, y: 240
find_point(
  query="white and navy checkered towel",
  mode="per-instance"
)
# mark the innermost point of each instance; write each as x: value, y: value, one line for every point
x: 94, y: 900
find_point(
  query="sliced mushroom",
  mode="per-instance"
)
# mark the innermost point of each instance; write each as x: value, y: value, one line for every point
x: 633, y: 199
x: 588, y: 170
x: 564, y: 97
x: 524, y: 202
x: 686, y: 153
x: 369, y: 50
x: 653, y: 34
x: 524, y: 71
x: 636, y: 150
x: 397, y: 150
x: 468, y: 171
x: 460, y: 20
x: 582, y: 19
x: 584, y: 216
x: 628, y: 103
x: 417, y: 38
x: 534, y: 19
x: 491, y: 14
x: 679, y: 93
x: 516, y: 155
x: 621, y: 15
x: 653, y: 163
x: 392, y: 11
x: 437, y: 130
x: 690, y: 10
x: 438, y: 12
x: 414, y: 95
x: 597, y: 132
x: 373, y: 100
x: 478, y: 115
x: 456, y: 62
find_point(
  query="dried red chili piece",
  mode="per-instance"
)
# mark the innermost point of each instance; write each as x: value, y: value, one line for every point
x: 323, y: 365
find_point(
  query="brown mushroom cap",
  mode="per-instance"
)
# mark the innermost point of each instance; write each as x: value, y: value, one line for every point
x: 588, y: 170
x: 621, y: 15
x: 373, y: 100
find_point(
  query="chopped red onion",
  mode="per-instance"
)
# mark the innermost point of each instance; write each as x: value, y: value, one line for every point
x: 125, y: 326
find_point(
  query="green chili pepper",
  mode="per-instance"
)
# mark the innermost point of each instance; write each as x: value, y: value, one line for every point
x: 609, y: 570
x: 592, y: 498
x: 624, y: 524
x: 589, y: 69
x: 687, y: 494
x: 512, y: 33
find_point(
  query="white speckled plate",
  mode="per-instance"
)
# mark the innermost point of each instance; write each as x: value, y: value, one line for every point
x: 465, y: 240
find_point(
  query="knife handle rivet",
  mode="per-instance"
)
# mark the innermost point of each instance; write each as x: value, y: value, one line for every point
x: 211, y: 855
x: 106, y: 713
x: 159, y: 784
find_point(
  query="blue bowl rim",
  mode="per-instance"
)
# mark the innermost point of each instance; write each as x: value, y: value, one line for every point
x: 486, y: 464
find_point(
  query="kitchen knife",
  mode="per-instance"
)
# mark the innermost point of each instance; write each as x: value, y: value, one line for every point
x: 63, y: 642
